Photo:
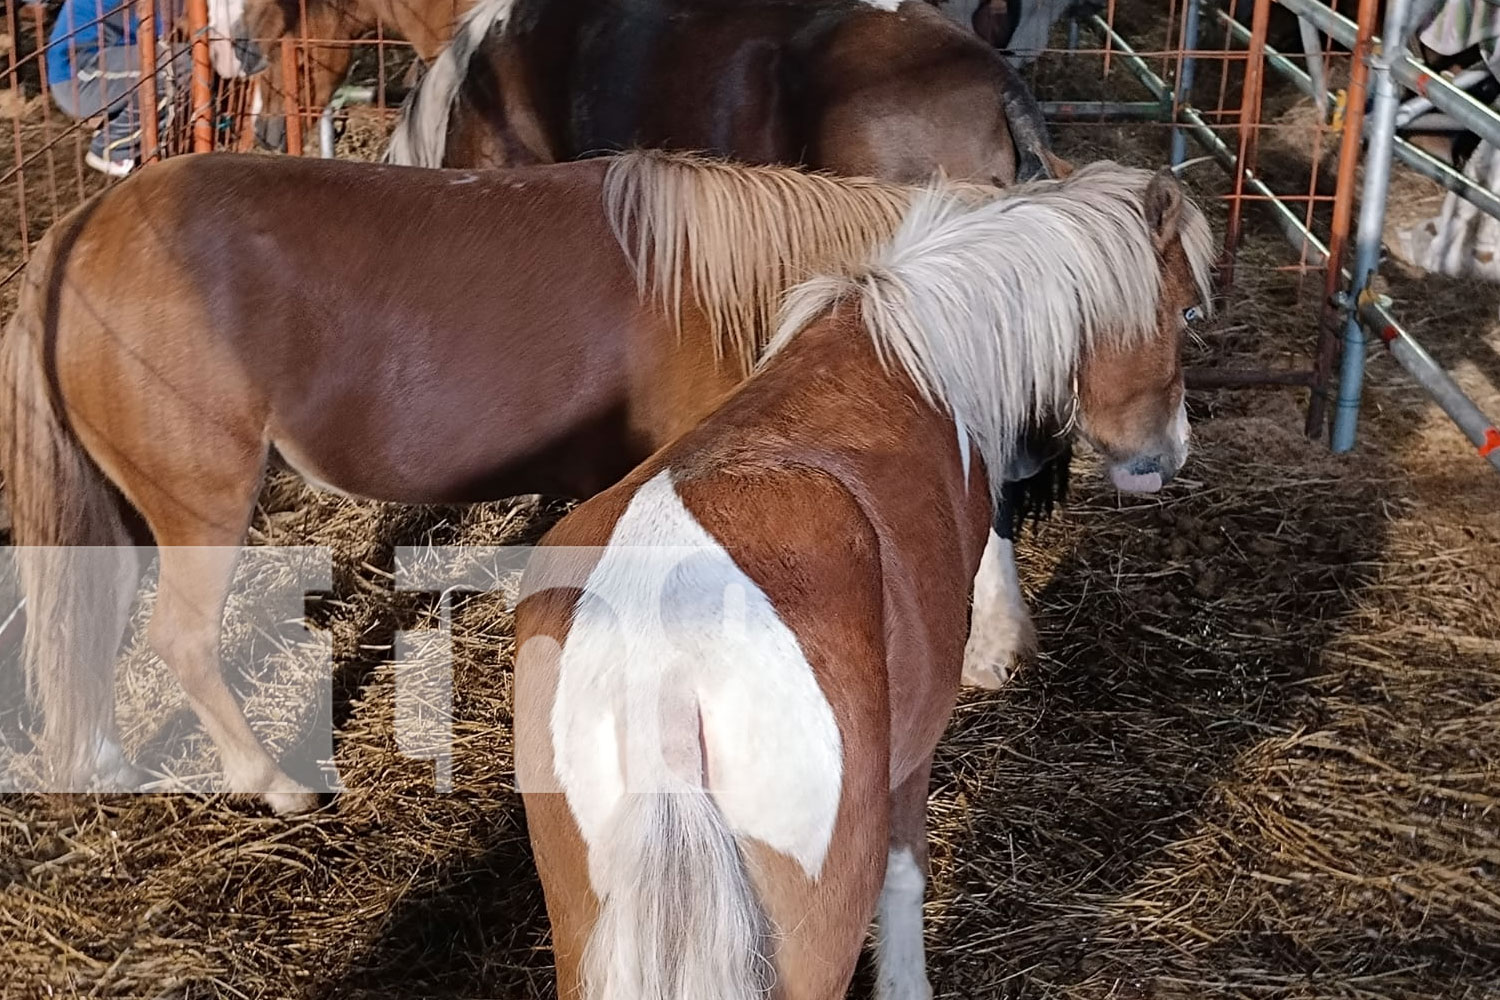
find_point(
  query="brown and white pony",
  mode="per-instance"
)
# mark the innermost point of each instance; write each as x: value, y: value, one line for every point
x: 734, y: 666
x: 406, y: 335
x: 889, y: 90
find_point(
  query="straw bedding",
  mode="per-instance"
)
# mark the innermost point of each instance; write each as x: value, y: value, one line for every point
x: 1258, y: 757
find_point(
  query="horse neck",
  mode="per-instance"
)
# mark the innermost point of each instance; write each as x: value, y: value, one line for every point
x: 830, y: 402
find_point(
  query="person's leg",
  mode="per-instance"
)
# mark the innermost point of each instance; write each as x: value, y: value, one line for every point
x: 116, y: 148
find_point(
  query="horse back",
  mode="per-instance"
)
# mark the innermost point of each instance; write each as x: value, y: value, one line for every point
x: 836, y: 85
x: 407, y: 335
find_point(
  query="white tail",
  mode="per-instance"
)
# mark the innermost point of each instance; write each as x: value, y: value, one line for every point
x: 679, y: 919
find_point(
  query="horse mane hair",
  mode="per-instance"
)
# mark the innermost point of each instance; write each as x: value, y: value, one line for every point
x: 1052, y: 267
x: 421, y: 135
x: 738, y: 236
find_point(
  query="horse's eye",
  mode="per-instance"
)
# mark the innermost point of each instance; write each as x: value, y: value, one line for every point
x: 1193, y: 314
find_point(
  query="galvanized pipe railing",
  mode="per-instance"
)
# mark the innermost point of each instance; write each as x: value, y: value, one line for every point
x: 1372, y: 310
x: 1413, y: 157
x: 1377, y: 182
x: 1444, y: 96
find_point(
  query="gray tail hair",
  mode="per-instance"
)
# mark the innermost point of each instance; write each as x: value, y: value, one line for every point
x: 77, y: 568
x: 421, y: 135
x: 678, y: 917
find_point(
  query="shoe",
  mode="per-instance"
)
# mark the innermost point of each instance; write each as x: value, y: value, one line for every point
x: 115, y: 148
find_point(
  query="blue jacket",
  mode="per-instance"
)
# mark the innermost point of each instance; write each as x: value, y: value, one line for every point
x: 84, y: 27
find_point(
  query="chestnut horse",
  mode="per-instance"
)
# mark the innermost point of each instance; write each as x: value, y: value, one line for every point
x: 330, y: 26
x: 330, y: 313
x: 734, y: 665
x: 855, y: 88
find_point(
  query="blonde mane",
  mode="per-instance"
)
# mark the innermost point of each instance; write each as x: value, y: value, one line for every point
x: 987, y: 307
x: 739, y: 237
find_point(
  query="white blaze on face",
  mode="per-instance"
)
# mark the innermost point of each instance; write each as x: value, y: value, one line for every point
x: 670, y: 635
x: 1181, y: 433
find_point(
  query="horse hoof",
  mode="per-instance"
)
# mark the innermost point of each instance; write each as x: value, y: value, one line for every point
x: 995, y: 649
x: 290, y: 799
x: 989, y: 676
x: 122, y: 777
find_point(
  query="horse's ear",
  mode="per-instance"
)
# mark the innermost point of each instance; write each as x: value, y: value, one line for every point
x: 1163, y: 207
x: 1056, y: 165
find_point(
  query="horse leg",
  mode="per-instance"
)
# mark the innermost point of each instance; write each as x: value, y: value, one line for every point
x: 111, y: 769
x: 185, y: 629
x: 900, y: 962
x: 1000, y: 630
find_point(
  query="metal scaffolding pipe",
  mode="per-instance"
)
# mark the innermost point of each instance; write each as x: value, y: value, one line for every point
x: 344, y: 95
x: 1184, y: 95
x: 1371, y: 228
x: 1407, y: 352
x: 1312, y: 48
x: 1444, y: 96
x: 1414, y: 157
x: 1477, y: 427
x: 1417, y: 106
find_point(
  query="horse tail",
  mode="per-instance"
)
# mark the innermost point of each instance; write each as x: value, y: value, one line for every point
x: 1027, y: 124
x: 76, y: 568
x: 678, y: 916
x: 421, y: 135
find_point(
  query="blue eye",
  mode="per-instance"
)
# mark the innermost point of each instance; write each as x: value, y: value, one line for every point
x: 1193, y: 314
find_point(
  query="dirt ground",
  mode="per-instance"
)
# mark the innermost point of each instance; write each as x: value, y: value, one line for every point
x: 1257, y: 757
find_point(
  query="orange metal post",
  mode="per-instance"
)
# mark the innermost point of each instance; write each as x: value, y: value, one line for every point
x: 145, y: 15
x: 1343, y: 212
x: 203, y: 77
x: 289, y: 96
x: 1250, y: 95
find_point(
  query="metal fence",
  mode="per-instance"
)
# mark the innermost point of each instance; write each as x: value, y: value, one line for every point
x: 1197, y: 73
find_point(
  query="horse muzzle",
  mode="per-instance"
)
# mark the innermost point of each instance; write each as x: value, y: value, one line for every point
x: 1145, y: 473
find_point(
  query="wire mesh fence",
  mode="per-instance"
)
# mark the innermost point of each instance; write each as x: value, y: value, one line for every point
x: 1274, y: 91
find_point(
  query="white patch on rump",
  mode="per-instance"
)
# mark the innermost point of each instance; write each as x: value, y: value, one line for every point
x: 670, y: 636
x: 882, y: 4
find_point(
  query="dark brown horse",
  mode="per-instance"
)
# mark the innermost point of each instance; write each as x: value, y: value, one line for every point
x: 409, y: 335
x: 734, y: 666
x: 889, y: 90
x: 861, y: 89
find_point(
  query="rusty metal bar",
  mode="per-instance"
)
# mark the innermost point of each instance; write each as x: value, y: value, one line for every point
x: 146, y: 40
x: 202, y: 91
x: 1250, y: 98
x: 1244, y: 378
x: 289, y: 96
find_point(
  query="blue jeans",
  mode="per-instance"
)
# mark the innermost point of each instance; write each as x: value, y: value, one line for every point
x: 105, y: 82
